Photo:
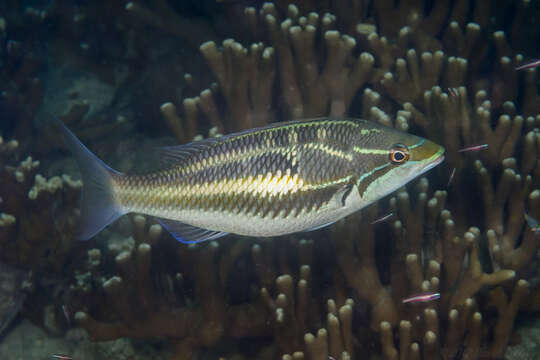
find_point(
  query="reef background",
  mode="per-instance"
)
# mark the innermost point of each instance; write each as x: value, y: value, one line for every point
x: 127, y: 77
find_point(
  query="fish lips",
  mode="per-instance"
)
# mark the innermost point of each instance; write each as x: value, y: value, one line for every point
x: 434, y: 163
x: 437, y: 159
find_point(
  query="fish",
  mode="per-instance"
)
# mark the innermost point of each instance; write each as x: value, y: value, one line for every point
x: 61, y: 357
x: 382, y: 219
x: 474, y: 148
x: 530, y: 65
x: 66, y: 314
x: 425, y: 297
x: 533, y: 224
x: 279, y: 179
x: 451, y: 177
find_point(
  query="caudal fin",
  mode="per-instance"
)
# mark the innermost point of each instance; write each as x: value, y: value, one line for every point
x: 98, y: 206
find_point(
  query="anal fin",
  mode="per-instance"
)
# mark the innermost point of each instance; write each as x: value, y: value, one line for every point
x: 189, y: 234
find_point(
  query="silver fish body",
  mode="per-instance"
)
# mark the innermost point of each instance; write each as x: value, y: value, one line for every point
x: 270, y: 181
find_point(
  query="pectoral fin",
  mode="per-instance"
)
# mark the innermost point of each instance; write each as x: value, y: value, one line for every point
x: 339, y: 200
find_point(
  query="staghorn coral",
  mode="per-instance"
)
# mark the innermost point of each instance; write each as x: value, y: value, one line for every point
x: 335, y: 341
x: 311, y: 85
x: 459, y: 123
x: 189, y: 308
x: 408, y: 69
x: 190, y: 315
x: 439, y: 329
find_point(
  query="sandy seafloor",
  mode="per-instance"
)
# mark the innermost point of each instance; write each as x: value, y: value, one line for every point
x: 25, y: 341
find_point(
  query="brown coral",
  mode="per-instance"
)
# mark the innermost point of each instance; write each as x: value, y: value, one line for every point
x: 423, y: 68
x: 28, y: 205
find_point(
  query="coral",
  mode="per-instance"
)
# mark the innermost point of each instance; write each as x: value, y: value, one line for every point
x: 477, y: 256
x: 335, y: 341
x: 360, y: 271
x: 288, y: 313
x: 31, y: 211
x: 164, y: 17
x: 308, y: 91
x: 190, y: 309
x: 136, y: 310
x: 310, y: 83
x: 444, y: 70
x: 443, y: 252
x: 13, y: 283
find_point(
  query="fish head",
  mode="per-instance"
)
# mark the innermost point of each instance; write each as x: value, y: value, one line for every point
x: 389, y: 159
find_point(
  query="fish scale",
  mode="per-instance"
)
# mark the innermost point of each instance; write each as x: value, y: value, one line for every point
x: 283, y: 178
x: 315, y: 157
x: 213, y: 169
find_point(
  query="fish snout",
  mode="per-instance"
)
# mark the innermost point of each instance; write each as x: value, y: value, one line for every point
x: 430, y: 153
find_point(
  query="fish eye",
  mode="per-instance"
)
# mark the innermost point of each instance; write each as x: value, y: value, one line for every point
x: 399, y: 154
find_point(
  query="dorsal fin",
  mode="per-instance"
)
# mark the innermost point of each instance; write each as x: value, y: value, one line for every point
x: 173, y: 155
x: 177, y: 154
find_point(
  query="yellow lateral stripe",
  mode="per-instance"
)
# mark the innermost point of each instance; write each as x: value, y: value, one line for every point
x: 269, y: 185
x: 262, y: 184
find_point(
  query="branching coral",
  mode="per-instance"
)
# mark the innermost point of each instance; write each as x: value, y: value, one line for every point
x: 30, y: 212
x: 439, y: 329
x: 422, y: 68
x: 335, y: 341
x: 190, y: 308
x: 323, y: 76
x: 361, y: 273
x: 188, y: 321
x: 433, y: 85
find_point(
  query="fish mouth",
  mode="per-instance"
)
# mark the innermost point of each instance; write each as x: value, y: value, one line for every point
x: 435, y: 160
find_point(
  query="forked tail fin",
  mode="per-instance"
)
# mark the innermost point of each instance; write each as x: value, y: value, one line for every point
x: 98, y: 205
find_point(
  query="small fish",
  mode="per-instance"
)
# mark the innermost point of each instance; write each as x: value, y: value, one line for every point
x: 452, y: 92
x: 66, y: 314
x: 530, y: 65
x: 280, y: 179
x: 452, y: 174
x: 382, y: 219
x: 62, y: 357
x: 533, y: 224
x: 421, y: 298
x: 474, y: 148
